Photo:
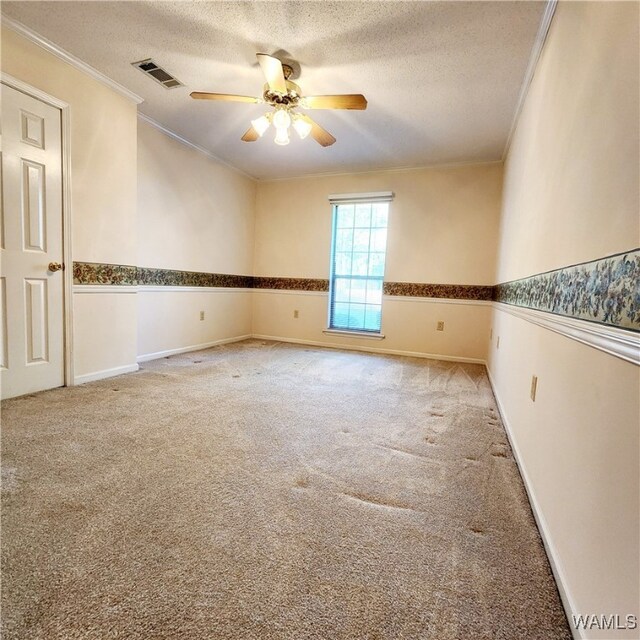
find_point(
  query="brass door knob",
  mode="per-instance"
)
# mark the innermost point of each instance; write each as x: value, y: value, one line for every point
x: 55, y: 266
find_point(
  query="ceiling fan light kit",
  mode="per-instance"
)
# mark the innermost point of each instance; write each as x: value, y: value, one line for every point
x: 285, y: 96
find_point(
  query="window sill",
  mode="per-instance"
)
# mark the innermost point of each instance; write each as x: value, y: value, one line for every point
x: 354, y: 334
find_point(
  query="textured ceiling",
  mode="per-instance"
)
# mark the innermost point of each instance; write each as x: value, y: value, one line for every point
x: 442, y: 78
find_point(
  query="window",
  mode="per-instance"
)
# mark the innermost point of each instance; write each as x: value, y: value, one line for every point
x: 358, y: 250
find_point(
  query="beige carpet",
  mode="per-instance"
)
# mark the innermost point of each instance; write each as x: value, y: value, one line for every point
x: 268, y: 491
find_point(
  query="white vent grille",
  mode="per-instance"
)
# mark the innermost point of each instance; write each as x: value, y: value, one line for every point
x: 150, y: 68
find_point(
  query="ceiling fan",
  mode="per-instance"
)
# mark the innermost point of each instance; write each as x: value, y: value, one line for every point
x: 285, y: 97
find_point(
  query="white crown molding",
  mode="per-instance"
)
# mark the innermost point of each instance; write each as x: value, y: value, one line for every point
x: 616, y: 342
x: 536, y: 52
x: 69, y: 58
x: 192, y: 145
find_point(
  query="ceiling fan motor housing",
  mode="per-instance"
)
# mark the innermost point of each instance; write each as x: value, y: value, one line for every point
x: 290, y: 99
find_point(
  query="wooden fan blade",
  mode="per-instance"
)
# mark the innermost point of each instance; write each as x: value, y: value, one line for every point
x: 321, y: 136
x: 251, y: 135
x: 347, y: 101
x: 272, y: 69
x: 203, y: 95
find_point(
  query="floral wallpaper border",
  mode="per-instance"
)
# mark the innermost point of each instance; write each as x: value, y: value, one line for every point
x: 118, y: 274
x: 171, y: 278
x: 425, y: 290
x: 290, y: 284
x: 606, y: 291
x: 100, y: 273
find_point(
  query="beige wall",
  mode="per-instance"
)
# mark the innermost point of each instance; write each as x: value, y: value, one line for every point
x: 409, y: 325
x: 570, y: 195
x: 443, y: 223
x: 194, y: 214
x: 169, y: 320
x: 103, y: 197
x: 571, y: 187
x: 443, y: 226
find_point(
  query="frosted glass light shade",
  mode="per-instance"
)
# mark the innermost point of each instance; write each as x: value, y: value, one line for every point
x: 281, y: 119
x: 261, y: 124
x: 302, y: 127
x: 282, y: 136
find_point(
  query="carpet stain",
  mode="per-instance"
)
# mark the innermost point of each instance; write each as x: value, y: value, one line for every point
x: 476, y: 530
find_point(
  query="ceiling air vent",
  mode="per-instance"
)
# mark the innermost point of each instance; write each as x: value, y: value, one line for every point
x: 150, y: 68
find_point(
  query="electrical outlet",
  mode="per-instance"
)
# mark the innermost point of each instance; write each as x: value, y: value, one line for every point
x: 202, y: 315
x: 295, y: 313
x: 534, y: 387
x: 440, y: 326
x: 498, y: 343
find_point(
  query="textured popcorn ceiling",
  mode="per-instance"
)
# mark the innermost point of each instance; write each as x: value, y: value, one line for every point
x: 442, y: 78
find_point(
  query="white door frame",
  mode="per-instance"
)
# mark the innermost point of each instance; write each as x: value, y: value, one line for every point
x: 67, y: 302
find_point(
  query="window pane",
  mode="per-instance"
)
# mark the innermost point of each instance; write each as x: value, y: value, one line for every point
x: 343, y: 263
x: 378, y: 239
x: 361, y: 240
x: 374, y: 292
x: 356, y: 316
x: 358, y: 290
x: 379, y: 214
x: 363, y: 215
x: 344, y: 239
x: 376, y: 264
x: 373, y: 317
x: 340, y: 315
x: 341, y: 290
x: 360, y: 264
x: 344, y: 217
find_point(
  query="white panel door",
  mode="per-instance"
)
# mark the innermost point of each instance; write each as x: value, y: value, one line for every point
x: 31, y: 282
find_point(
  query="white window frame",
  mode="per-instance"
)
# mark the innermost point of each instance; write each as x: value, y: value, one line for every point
x: 352, y: 198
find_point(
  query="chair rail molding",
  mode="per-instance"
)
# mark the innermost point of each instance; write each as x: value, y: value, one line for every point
x: 621, y: 343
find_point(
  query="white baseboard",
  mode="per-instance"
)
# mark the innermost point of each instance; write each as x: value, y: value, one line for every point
x: 554, y: 558
x: 105, y: 373
x: 194, y: 347
x: 349, y: 347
